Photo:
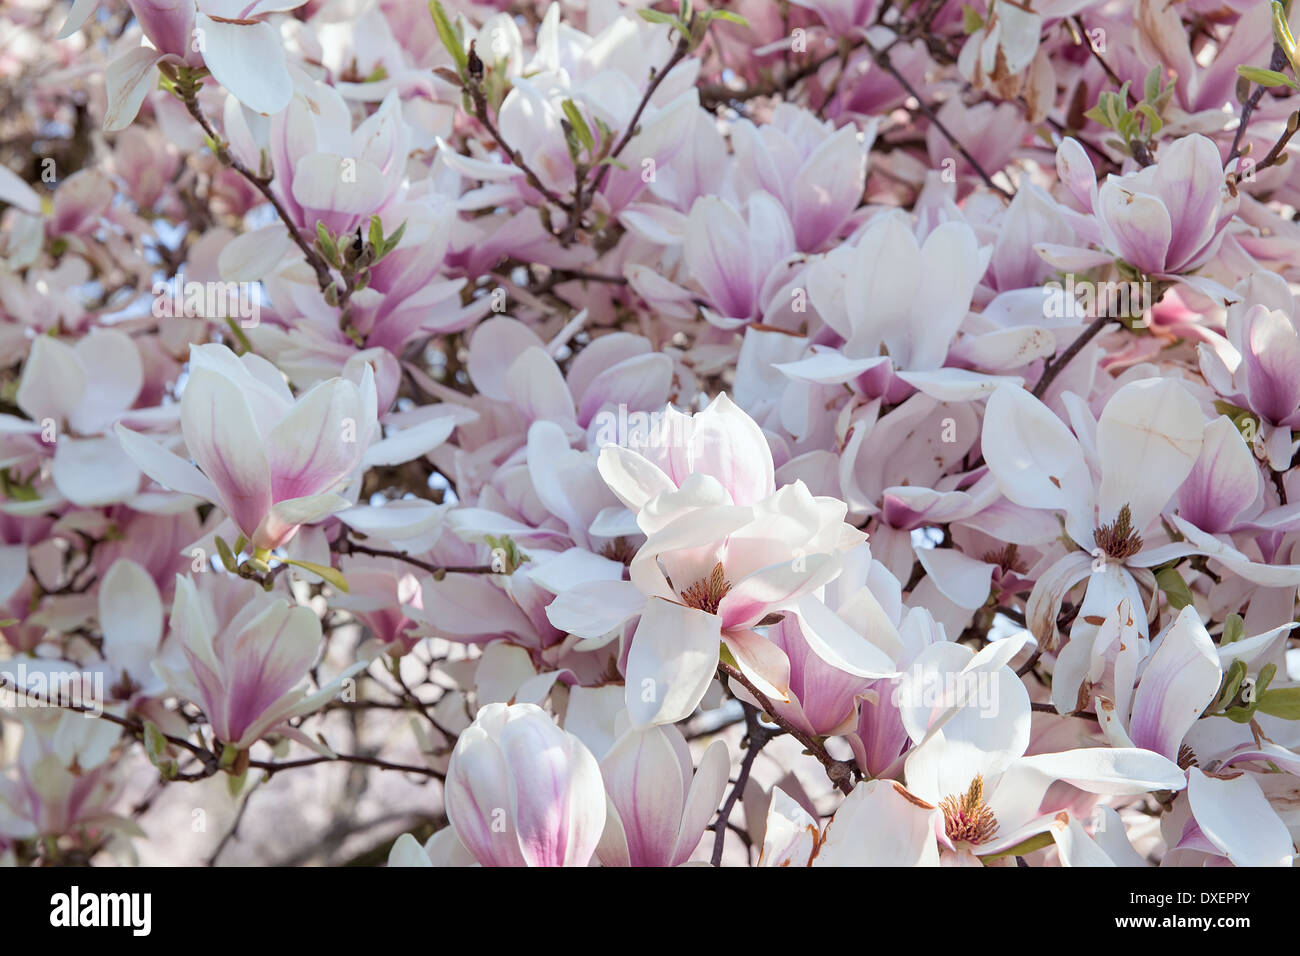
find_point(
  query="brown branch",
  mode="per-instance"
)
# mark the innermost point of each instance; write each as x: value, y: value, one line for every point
x: 840, y: 772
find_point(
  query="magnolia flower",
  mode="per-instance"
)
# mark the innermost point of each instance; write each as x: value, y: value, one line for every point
x: 230, y: 37
x: 1257, y: 368
x: 815, y: 171
x: 969, y: 759
x: 522, y: 792
x: 1164, y: 220
x: 723, y: 553
x: 64, y: 778
x: 657, y: 808
x: 249, y: 656
x: 271, y: 462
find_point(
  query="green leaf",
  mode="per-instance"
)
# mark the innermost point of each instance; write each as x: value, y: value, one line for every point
x: 332, y: 576
x: 1175, y: 588
x: 1035, y: 842
x: 970, y: 19
x: 1282, y: 34
x: 1151, y: 88
x: 376, y: 233
x: 391, y: 242
x: 1283, y: 702
x: 450, y: 37
x: 1266, y: 78
x: 227, y: 556
x: 154, y: 741
x: 730, y: 17
x: 656, y: 16
x: 1231, y: 684
x: 1234, y: 628
x: 579, y: 125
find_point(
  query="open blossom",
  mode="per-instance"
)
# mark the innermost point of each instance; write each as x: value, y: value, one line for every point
x: 271, y: 461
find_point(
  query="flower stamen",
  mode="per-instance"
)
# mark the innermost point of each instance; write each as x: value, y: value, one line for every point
x: 707, y: 593
x: 967, y: 818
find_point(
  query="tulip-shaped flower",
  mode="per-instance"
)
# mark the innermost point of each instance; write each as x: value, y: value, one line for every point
x: 658, y: 809
x: 1168, y: 218
x: 271, y: 462
x: 247, y: 669
x: 522, y: 792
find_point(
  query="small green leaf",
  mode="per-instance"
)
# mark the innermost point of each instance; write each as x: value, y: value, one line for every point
x: 1283, y: 702
x: 1231, y: 684
x: 656, y: 16
x: 1175, y: 588
x: 1035, y: 842
x: 1266, y: 78
x: 579, y: 125
x: 1234, y: 628
x: 332, y: 576
x: 449, y: 36
x: 728, y: 16
x: 227, y: 556
x: 970, y: 19
x: 1282, y: 34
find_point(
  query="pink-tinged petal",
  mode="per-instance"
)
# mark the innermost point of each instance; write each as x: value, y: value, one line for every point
x: 1036, y: 460
x: 319, y: 442
x: 1148, y: 439
x: 791, y: 835
x: 559, y: 811
x: 845, y: 648
x: 535, y: 386
x: 671, y: 662
x: 719, y: 255
x: 1180, y: 679
x: 494, y: 346
x: 639, y: 382
x: 828, y: 187
x: 1271, y: 363
x: 763, y: 663
x: 594, y: 610
x: 702, y: 799
x: 643, y: 778
x: 1138, y: 226
x: 166, y: 468
x: 1237, y: 818
x: 222, y: 436
x: 1189, y: 181
x: 729, y: 445
x: 127, y: 81
x: 631, y: 477
x: 480, y: 796
x: 266, y: 660
x: 881, y: 824
x: 53, y: 381
x: 131, y: 616
x: 167, y: 23
x: 248, y: 60
x: 114, y: 377
x: 94, y: 471
x: 961, y: 579
x: 1223, y: 483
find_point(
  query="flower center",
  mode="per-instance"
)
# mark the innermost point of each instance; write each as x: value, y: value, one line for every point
x: 967, y: 818
x: 1118, y: 539
x: 707, y: 593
